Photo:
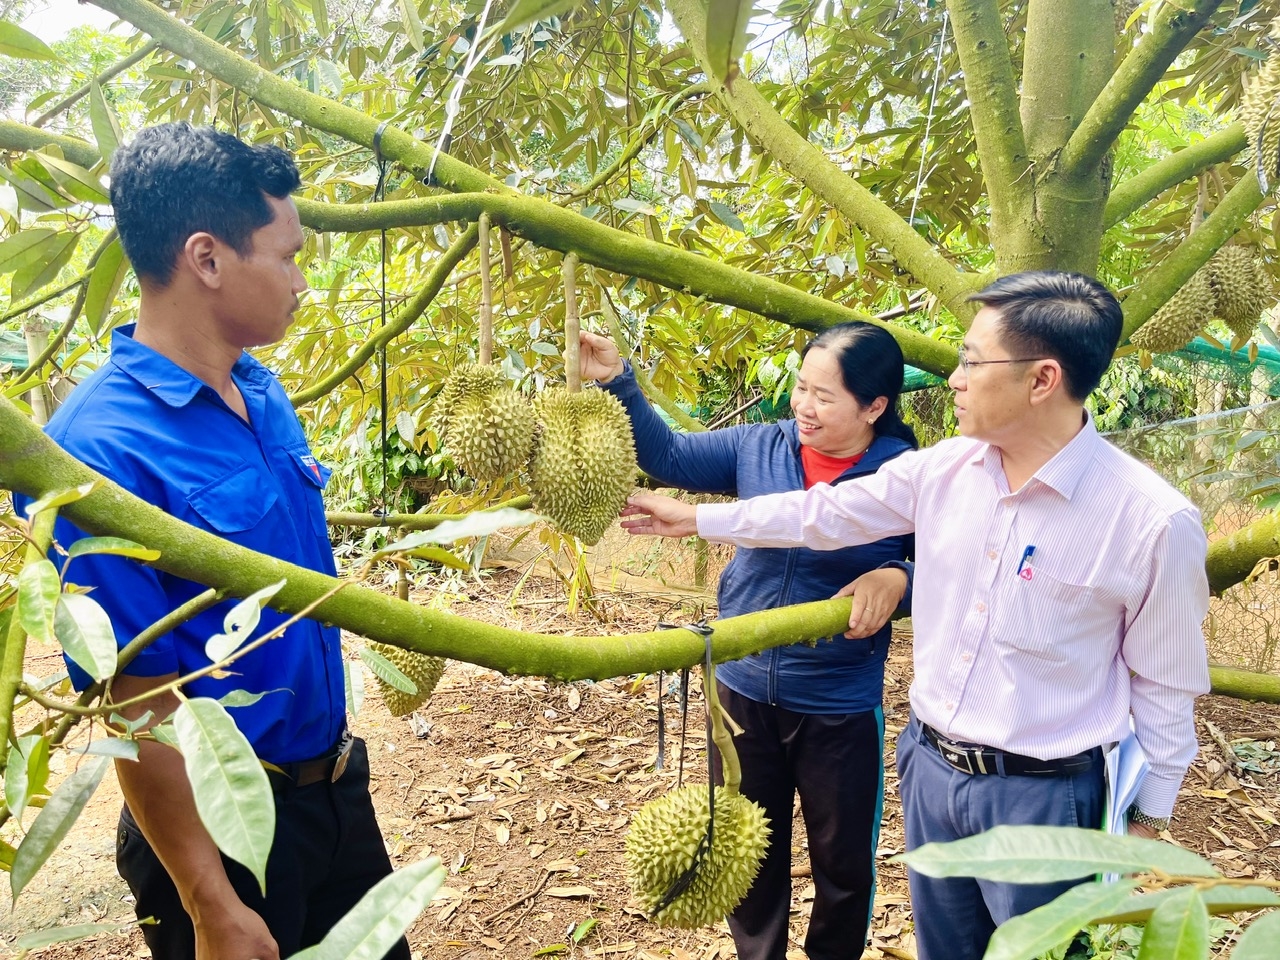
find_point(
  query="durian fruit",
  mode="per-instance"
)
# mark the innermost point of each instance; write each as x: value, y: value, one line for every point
x: 1259, y: 109
x: 1241, y: 289
x: 660, y: 846
x: 585, y: 463
x: 423, y: 670
x: 486, y: 425
x: 1184, y: 315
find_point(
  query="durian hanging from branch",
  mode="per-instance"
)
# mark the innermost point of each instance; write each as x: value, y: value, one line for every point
x: 585, y: 464
x: 1260, y: 113
x: 485, y: 423
x: 693, y: 853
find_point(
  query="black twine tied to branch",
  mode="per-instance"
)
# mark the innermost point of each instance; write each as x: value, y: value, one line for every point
x: 685, y: 880
x: 379, y: 194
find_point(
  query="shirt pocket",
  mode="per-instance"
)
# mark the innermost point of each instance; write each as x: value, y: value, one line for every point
x: 241, y: 506
x: 315, y: 475
x: 1054, y: 619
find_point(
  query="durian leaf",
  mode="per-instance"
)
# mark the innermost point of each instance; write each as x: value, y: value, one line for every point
x: 102, y: 118
x: 529, y: 11
x: 113, y: 545
x: 440, y: 556
x: 232, y: 793
x: 60, y: 498
x: 84, y: 630
x: 479, y: 524
x: 1178, y: 929
x: 76, y: 931
x: 387, y: 671
x: 1032, y: 934
x: 38, y: 591
x: 1022, y: 854
x: 16, y: 42
x: 239, y: 623
x: 1258, y: 942
x: 353, y: 681
x: 373, y: 925
x: 51, y: 826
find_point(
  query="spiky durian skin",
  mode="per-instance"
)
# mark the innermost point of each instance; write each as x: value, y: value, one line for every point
x: 1259, y: 106
x: 423, y: 670
x: 661, y: 842
x: 1241, y: 289
x: 585, y: 463
x: 486, y: 425
x: 1184, y: 315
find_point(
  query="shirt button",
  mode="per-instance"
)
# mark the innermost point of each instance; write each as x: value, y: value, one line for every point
x: 980, y: 607
x: 950, y: 705
x: 966, y: 657
x: 991, y: 554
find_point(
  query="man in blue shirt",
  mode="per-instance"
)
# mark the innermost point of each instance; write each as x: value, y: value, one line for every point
x: 184, y: 418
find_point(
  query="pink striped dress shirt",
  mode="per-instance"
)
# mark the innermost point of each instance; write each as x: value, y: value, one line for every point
x: 1104, y: 620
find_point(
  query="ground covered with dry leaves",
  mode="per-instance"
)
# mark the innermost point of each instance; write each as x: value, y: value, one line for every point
x: 524, y: 789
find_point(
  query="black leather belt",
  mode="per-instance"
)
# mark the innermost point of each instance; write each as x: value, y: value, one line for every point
x: 976, y: 759
x: 330, y: 766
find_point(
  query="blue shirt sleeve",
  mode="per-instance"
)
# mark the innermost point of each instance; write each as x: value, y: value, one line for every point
x: 698, y: 462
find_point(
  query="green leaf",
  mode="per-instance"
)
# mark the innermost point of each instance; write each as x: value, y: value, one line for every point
x: 233, y: 796
x: 478, y: 524
x: 84, y: 630
x: 726, y: 35
x: 53, y: 823
x: 581, y: 930
x: 60, y: 498
x: 373, y: 925
x: 77, y: 931
x: 32, y: 195
x: 23, y: 248
x: 113, y: 545
x: 320, y: 13
x: 353, y: 682
x: 441, y: 556
x: 1049, y: 854
x: 241, y: 698
x: 102, y: 117
x: 164, y: 733
x: 239, y: 623
x: 1258, y: 942
x: 104, y: 283
x: 75, y: 180
x: 525, y: 12
x: 632, y: 205
x: 413, y: 23
x: 1178, y: 929
x: 16, y: 42
x: 26, y: 773
x: 113, y: 747
x: 33, y: 276
x: 725, y: 215
x: 38, y: 592
x: 1218, y: 900
x: 407, y: 427
x: 1028, y: 936
x: 387, y: 671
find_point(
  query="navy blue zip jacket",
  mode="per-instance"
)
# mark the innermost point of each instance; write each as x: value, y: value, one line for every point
x: 837, y: 675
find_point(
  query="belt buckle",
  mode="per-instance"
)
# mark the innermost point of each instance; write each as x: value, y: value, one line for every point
x: 344, y: 754
x: 953, y: 753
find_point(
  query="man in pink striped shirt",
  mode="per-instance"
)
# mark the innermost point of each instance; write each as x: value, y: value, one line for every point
x: 1059, y: 590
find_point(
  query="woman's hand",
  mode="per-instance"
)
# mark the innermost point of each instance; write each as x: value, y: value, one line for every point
x: 658, y: 516
x: 876, y: 595
x: 597, y: 357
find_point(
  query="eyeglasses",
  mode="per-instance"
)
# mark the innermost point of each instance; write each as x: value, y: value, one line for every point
x: 966, y: 363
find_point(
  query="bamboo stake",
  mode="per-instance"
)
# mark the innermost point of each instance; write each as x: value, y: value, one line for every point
x: 486, y: 295
x: 572, y: 324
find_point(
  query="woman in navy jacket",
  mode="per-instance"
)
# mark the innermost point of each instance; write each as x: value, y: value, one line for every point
x: 811, y: 715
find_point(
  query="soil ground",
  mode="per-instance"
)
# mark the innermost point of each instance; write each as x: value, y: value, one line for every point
x: 524, y: 789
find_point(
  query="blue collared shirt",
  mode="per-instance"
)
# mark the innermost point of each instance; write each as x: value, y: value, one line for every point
x: 168, y: 437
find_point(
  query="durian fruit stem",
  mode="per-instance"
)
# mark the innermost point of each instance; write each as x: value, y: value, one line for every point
x: 486, y: 295
x: 720, y: 735
x: 572, y: 375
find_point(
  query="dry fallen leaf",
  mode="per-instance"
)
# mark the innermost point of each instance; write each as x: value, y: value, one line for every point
x: 569, y: 892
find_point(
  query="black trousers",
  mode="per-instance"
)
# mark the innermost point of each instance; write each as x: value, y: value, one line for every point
x: 327, y: 853
x: 836, y: 764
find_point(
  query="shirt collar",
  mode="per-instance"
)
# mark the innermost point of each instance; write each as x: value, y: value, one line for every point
x: 1065, y: 468
x: 164, y: 378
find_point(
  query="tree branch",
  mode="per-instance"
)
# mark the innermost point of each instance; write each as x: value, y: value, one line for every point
x: 1192, y: 254
x: 32, y: 464
x: 410, y: 312
x: 417, y: 521
x: 1173, y: 169
x: 993, y: 102
x: 810, y: 166
x: 114, y: 70
x: 19, y: 136
x: 1133, y: 80
x: 553, y: 228
x: 42, y: 298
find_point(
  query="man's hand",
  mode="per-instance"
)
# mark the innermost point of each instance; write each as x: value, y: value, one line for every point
x: 1142, y: 830
x: 232, y: 931
x: 598, y: 357
x: 657, y: 516
x: 876, y: 595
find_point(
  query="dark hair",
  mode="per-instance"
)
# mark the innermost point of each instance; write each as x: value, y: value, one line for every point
x: 1062, y: 316
x: 871, y: 366
x: 174, y: 180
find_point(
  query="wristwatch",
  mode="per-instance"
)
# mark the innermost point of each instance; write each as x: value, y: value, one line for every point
x: 1155, y: 823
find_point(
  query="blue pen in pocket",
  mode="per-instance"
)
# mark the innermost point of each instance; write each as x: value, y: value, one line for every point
x: 1024, y: 565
